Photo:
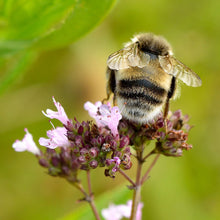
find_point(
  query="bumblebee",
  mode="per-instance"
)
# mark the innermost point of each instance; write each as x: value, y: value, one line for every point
x: 143, y: 77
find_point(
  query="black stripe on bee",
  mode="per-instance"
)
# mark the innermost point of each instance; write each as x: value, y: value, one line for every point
x: 137, y: 104
x: 136, y: 114
x: 142, y: 83
x: 140, y: 96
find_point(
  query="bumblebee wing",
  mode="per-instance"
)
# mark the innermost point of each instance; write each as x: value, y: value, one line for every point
x: 127, y: 57
x: 177, y: 92
x: 176, y: 68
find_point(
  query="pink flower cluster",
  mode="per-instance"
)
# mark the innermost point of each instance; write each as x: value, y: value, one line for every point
x: 104, y: 115
x: 81, y: 146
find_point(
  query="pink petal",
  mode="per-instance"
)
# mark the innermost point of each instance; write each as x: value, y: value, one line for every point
x: 57, y: 138
x: 27, y: 144
x: 104, y: 115
x: 60, y: 114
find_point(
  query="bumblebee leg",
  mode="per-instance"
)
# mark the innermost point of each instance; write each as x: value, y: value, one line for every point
x: 114, y: 100
x: 106, y: 99
x: 169, y: 96
x: 166, y: 110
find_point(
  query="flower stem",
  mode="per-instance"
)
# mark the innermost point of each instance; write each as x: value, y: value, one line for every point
x: 91, y: 198
x: 89, y: 183
x: 94, y: 209
x: 88, y: 196
x: 137, y: 189
x: 149, y: 169
x: 126, y: 177
x: 152, y: 152
x: 80, y: 188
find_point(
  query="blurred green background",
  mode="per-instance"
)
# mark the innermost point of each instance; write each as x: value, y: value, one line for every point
x: 179, y: 188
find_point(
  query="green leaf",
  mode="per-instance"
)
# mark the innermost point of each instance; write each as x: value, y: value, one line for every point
x: 80, y: 20
x: 17, y: 65
x: 119, y: 195
x: 36, y: 25
x: 42, y: 24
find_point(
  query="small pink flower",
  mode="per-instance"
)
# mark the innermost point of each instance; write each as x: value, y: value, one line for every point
x: 139, y: 209
x: 60, y: 114
x: 57, y: 138
x: 27, y: 144
x: 117, y: 212
x: 116, y: 161
x: 105, y: 115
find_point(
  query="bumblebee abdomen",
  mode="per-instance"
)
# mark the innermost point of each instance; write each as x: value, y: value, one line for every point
x: 140, y: 100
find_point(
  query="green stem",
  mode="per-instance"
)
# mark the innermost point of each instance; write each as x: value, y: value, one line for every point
x: 95, y: 212
x: 149, y: 169
x: 152, y: 152
x: 126, y: 177
x: 91, y: 198
x: 88, y: 197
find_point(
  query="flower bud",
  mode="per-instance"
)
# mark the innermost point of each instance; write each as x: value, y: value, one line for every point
x: 65, y: 156
x: 160, y: 135
x: 127, y: 150
x: 75, y: 164
x: 87, y: 136
x: 84, y: 167
x: 69, y: 125
x: 185, y: 119
x: 81, y: 159
x: 71, y: 136
x: 187, y: 127
x: 176, y: 115
x: 160, y: 122
x: 93, y: 164
x: 100, y: 140
x: 43, y: 162
x: 169, y: 125
x: 80, y: 130
x: 50, y: 151
x: 55, y: 160
x: 65, y: 170
x: 86, y: 125
x: 168, y: 144
x: 78, y: 140
x: 117, y: 154
x: 113, y: 144
x: 84, y: 151
x: 93, y: 152
x: 124, y: 141
x: 127, y: 166
x: 108, y: 162
x: 76, y: 151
